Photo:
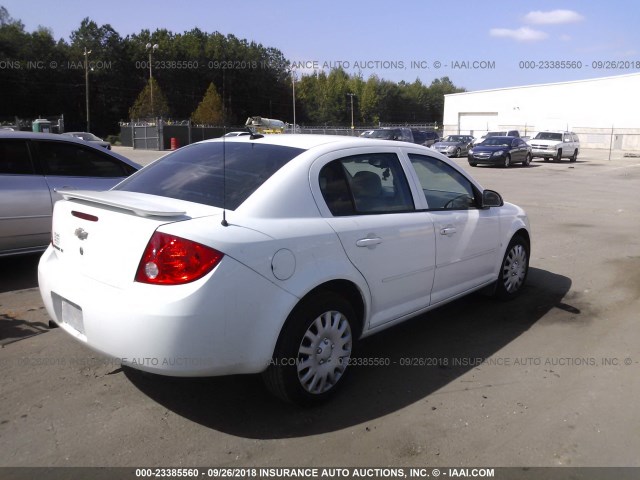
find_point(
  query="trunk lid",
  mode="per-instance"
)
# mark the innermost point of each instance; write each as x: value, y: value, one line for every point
x: 103, y: 234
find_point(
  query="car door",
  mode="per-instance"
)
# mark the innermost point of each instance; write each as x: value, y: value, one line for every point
x: 467, y: 237
x: 25, y: 203
x: 367, y: 201
x: 71, y: 165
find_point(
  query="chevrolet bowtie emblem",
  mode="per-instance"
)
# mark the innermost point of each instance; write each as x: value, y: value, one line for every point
x: 81, y: 234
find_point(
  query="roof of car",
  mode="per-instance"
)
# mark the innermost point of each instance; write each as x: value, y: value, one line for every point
x: 40, y: 136
x: 308, y: 141
x: 66, y: 139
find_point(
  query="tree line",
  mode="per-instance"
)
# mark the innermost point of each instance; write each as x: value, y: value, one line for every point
x: 208, y: 77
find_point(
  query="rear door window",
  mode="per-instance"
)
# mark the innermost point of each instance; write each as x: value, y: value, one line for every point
x: 67, y: 159
x: 15, y: 158
x: 365, y: 184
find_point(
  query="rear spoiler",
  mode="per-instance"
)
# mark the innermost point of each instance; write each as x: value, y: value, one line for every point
x: 141, y: 204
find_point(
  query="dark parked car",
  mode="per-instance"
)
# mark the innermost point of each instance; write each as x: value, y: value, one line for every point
x: 454, y: 145
x: 33, y: 166
x: 401, y: 134
x: 426, y: 138
x: 502, y: 151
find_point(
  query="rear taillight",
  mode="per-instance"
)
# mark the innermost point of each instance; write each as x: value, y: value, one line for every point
x: 172, y: 260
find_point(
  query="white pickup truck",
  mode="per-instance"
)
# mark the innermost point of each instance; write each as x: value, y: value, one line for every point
x: 556, y: 145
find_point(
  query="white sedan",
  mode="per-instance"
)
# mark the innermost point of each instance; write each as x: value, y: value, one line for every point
x: 274, y: 254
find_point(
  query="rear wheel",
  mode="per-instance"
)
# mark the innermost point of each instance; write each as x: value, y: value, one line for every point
x: 546, y: 159
x: 473, y: 164
x: 313, y: 351
x: 574, y: 157
x: 514, y: 268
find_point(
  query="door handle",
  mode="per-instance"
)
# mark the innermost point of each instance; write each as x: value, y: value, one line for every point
x: 448, y: 231
x: 369, y: 242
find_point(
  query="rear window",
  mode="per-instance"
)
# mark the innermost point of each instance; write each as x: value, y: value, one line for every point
x: 196, y: 173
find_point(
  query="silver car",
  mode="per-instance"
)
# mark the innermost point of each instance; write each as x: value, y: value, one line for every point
x: 454, y: 145
x: 89, y: 137
x: 32, y: 167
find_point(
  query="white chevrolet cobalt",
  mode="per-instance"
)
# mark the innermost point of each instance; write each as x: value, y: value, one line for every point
x: 274, y: 254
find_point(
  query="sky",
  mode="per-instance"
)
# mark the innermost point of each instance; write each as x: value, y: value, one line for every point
x: 478, y: 45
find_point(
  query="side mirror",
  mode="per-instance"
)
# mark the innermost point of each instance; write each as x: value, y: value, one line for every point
x: 491, y: 199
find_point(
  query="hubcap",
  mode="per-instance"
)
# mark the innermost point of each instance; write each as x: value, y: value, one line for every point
x: 324, y: 352
x: 514, y: 268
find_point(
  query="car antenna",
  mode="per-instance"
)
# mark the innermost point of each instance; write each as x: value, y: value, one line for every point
x: 224, y: 222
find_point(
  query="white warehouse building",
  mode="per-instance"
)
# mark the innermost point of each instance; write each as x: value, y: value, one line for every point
x: 604, y: 112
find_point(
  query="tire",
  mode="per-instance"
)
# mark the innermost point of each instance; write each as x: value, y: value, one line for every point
x: 513, y: 269
x: 546, y: 159
x: 473, y: 164
x: 558, y: 156
x: 456, y: 154
x: 313, y: 351
x: 574, y: 157
x: 527, y: 160
x: 507, y: 161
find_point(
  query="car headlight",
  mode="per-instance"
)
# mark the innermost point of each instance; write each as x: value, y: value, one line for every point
x: 498, y: 153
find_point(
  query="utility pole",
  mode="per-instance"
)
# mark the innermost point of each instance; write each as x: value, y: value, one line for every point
x: 151, y: 48
x: 86, y: 84
x: 352, y: 125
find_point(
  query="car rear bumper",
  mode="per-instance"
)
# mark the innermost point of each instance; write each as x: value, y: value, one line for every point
x: 197, y: 329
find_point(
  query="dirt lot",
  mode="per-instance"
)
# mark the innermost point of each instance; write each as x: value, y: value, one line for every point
x: 548, y: 379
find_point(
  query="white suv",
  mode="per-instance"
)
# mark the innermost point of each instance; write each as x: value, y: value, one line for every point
x: 556, y: 145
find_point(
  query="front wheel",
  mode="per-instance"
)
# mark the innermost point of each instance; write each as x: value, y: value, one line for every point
x: 507, y: 161
x: 558, y: 156
x: 313, y: 351
x: 456, y: 154
x: 514, y: 268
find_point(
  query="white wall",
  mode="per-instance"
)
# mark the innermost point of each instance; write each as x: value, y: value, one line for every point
x: 583, y: 105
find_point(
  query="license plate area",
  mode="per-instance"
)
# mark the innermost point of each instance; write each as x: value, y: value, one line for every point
x: 71, y: 315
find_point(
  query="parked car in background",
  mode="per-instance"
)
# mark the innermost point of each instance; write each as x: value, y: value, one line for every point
x: 503, y: 151
x: 454, y: 145
x: 32, y: 167
x: 401, y: 134
x: 239, y: 133
x: 89, y: 137
x: 500, y: 133
x: 201, y: 265
x: 556, y: 145
x: 424, y: 137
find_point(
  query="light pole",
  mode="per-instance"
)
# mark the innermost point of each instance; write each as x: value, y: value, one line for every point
x: 293, y: 86
x: 151, y: 48
x: 352, y: 125
x: 86, y: 84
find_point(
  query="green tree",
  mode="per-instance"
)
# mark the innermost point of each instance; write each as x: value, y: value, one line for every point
x: 209, y: 111
x: 142, y: 108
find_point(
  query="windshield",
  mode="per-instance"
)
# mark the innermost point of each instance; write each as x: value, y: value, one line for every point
x: 196, y: 173
x: 495, y: 134
x: 549, y: 136
x: 497, y: 141
x: 455, y: 138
